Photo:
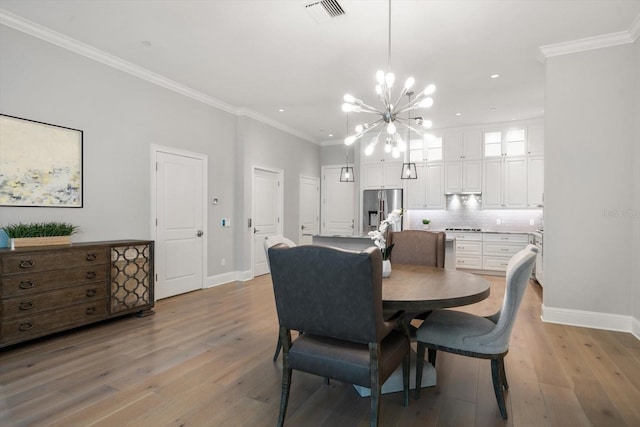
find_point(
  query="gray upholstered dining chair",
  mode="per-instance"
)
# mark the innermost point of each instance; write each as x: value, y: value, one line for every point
x: 418, y: 247
x: 270, y: 241
x: 335, y: 297
x: 475, y: 336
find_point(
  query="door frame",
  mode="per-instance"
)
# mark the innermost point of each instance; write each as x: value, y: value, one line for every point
x: 154, y: 150
x: 280, y: 228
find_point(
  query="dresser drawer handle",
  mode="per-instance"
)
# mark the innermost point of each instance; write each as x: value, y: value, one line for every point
x: 92, y: 292
x: 25, y: 326
x: 91, y: 275
x: 504, y: 250
x: 27, y: 263
x: 91, y: 257
x: 90, y: 310
x: 26, y: 284
x: 25, y: 305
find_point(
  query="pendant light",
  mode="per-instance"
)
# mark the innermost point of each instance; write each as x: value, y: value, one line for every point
x: 409, y: 170
x: 346, y: 173
x: 389, y: 120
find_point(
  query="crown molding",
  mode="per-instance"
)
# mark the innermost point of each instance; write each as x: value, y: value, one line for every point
x: 18, y: 23
x: 590, y: 43
x: 259, y: 117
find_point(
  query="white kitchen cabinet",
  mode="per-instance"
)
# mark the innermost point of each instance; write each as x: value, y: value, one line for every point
x: 492, y: 184
x: 465, y: 145
x: 515, y: 182
x: 382, y: 174
x: 463, y: 177
x: 468, y: 249
x: 498, y: 248
x: 535, y: 140
x: 505, y: 143
x: 435, y: 185
x: 504, y: 183
x: 426, y: 192
x: 535, y: 182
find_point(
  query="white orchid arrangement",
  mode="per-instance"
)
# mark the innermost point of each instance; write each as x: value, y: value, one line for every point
x: 380, y: 235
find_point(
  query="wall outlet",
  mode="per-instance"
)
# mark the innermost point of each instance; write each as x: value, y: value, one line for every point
x: 531, y: 222
x: 223, y: 261
x: 498, y: 221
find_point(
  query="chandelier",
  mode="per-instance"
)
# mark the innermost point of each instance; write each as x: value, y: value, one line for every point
x: 390, y: 120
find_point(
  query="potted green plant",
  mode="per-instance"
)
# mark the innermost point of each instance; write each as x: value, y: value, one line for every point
x: 425, y: 224
x: 40, y: 233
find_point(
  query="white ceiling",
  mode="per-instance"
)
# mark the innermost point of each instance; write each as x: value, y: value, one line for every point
x: 265, y: 55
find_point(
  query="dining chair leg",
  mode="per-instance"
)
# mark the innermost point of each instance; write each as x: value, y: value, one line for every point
x: 374, y: 357
x: 497, y: 385
x: 278, y: 347
x: 406, y: 369
x: 284, y: 336
x: 419, y: 367
x: 505, y: 384
x: 431, y: 355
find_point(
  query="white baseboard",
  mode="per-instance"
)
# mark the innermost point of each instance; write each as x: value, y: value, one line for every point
x: 635, y: 327
x: 590, y: 319
x: 232, y: 276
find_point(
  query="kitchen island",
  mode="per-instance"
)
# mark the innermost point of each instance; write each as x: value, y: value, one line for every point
x: 363, y: 241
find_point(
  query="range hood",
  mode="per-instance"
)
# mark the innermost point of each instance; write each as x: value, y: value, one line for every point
x: 463, y: 193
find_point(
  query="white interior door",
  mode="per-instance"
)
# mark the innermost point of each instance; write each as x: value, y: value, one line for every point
x: 338, y: 203
x: 267, y: 213
x: 309, y: 209
x: 180, y: 194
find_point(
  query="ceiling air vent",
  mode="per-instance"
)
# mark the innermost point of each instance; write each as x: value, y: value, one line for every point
x: 324, y: 10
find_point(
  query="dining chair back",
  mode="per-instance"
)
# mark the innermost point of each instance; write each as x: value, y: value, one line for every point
x: 335, y: 297
x: 270, y: 241
x: 475, y: 336
x: 418, y: 247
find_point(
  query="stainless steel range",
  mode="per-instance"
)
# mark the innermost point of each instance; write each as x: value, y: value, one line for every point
x: 463, y: 229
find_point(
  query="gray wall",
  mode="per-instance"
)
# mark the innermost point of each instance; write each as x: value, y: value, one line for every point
x: 122, y: 116
x: 636, y: 197
x: 268, y: 147
x: 591, y: 102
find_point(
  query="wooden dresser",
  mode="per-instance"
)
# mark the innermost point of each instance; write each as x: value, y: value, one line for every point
x: 49, y: 289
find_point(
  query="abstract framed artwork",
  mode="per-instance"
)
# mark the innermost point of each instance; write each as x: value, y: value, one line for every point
x: 40, y: 164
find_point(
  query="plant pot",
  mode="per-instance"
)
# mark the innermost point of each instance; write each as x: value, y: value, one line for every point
x: 23, y: 242
x: 386, y: 268
x: 425, y: 226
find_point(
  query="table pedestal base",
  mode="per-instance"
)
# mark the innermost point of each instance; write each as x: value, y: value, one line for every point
x: 394, y: 382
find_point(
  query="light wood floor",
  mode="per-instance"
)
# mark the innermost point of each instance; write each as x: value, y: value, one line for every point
x: 204, y: 359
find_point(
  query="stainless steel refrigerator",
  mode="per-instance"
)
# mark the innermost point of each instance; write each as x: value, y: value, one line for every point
x: 377, y: 204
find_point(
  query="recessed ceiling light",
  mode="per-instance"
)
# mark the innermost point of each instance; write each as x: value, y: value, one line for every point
x: 495, y: 76
x: 281, y: 110
x: 493, y: 108
x: 146, y: 43
x: 458, y: 114
x: 330, y: 134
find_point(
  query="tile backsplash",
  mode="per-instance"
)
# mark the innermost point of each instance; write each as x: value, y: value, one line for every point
x: 486, y: 219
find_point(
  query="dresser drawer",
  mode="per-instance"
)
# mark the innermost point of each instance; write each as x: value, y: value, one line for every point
x: 23, y: 284
x: 30, y: 304
x: 31, y: 326
x: 34, y: 262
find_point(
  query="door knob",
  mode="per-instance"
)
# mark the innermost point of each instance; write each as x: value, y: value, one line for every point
x: 255, y: 230
x: 199, y: 233
x: 302, y: 227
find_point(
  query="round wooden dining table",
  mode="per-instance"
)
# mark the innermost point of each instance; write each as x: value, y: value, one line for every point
x: 418, y: 288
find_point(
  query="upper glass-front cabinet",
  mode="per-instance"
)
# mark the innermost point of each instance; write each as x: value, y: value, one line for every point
x: 426, y: 150
x: 508, y: 143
